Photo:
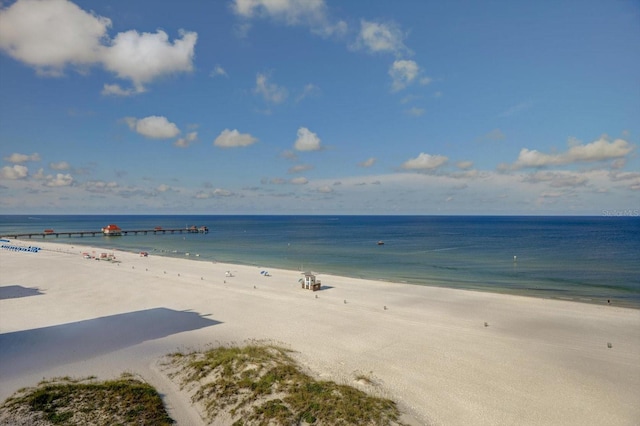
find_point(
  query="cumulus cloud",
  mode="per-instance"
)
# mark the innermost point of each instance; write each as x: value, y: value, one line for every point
x: 307, y: 140
x: 49, y: 35
x: 187, y: 140
x: 14, y: 172
x: 61, y: 165
x: 599, y: 150
x: 153, y: 127
x: 299, y: 181
x: 17, y: 158
x: 405, y: 72
x: 233, y: 138
x: 310, y: 13
x: 325, y: 189
x: 464, y: 165
x: 142, y: 58
x: 59, y: 180
x: 368, y: 162
x: 271, y: 92
x: 377, y: 37
x: 425, y: 162
x: 55, y: 34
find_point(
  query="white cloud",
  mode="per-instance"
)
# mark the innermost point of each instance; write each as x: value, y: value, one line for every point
x: 116, y: 90
x: 49, y: 35
x: 14, y: 172
x: 17, y: 158
x: 153, y: 127
x: 218, y: 71
x: 368, y: 162
x: 144, y: 57
x: 271, y: 92
x: 55, y: 34
x: 299, y: 181
x: 599, y: 150
x: 325, y: 189
x: 307, y: 140
x: 187, y: 140
x: 425, y: 162
x: 309, y: 13
x: 464, y: 165
x: 62, y: 165
x: 376, y: 37
x: 233, y: 138
x: 403, y: 72
x: 59, y: 180
x: 39, y: 175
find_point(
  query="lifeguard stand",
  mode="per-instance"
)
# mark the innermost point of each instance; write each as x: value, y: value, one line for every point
x: 310, y: 282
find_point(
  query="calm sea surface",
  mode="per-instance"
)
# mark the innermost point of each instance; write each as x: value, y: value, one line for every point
x: 589, y: 259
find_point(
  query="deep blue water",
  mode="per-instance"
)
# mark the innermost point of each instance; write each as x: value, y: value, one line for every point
x: 589, y: 259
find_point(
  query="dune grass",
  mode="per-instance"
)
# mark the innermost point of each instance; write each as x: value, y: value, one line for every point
x: 66, y: 401
x: 258, y: 384
x: 262, y: 385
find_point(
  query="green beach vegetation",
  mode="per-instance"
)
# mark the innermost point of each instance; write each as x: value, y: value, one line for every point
x: 263, y: 385
x: 257, y: 384
x: 67, y: 401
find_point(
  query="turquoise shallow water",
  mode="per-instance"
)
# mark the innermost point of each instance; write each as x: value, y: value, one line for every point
x: 589, y: 259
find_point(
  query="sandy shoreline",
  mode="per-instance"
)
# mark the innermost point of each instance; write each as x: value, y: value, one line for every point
x: 535, y: 362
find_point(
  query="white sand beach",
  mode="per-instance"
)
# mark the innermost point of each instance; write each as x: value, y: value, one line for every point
x: 448, y: 357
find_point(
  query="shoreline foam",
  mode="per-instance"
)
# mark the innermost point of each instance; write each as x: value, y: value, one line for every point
x: 448, y: 356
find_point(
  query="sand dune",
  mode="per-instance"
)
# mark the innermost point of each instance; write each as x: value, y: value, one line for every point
x: 448, y: 357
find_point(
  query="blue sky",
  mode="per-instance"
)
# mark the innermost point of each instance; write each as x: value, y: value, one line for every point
x: 320, y: 107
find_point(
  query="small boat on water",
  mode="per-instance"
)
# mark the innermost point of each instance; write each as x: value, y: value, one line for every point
x: 380, y: 243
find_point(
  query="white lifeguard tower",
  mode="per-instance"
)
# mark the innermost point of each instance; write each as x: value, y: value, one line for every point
x: 309, y: 282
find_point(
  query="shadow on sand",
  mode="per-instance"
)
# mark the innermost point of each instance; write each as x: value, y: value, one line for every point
x: 47, y: 347
x: 18, y: 291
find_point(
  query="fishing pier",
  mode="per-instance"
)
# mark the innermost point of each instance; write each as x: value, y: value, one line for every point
x: 155, y: 231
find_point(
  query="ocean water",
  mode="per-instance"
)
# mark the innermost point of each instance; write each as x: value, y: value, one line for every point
x: 587, y: 259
